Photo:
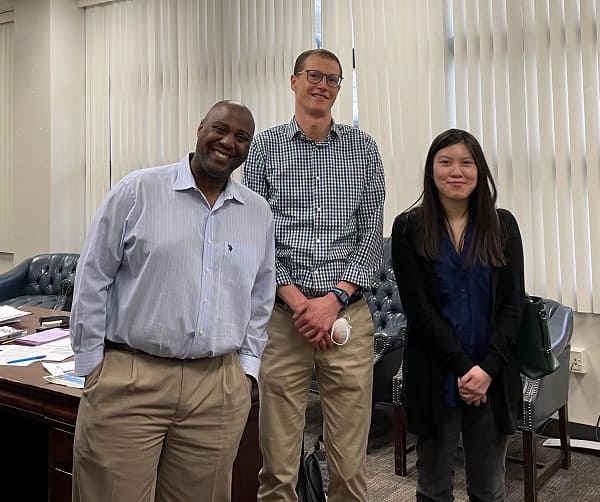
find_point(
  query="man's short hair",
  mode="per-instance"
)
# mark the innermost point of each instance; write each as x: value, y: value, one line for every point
x: 323, y: 53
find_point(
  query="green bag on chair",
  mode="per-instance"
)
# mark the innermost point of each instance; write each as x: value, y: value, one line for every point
x: 534, y: 348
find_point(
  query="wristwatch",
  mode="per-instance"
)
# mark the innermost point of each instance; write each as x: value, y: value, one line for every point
x: 341, y: 295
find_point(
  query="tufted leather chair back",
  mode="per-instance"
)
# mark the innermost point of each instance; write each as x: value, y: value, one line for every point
x: 384, y: 303
x: 47, y: 271
x: 45, y: 280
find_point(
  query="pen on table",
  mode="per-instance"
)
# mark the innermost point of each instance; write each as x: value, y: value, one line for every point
x: 24, y: 359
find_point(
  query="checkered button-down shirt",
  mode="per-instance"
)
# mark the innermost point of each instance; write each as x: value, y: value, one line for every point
x: 327, y: 200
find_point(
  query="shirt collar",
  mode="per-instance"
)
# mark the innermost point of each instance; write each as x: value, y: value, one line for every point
x: 185, y: 181
x: 293, y: 130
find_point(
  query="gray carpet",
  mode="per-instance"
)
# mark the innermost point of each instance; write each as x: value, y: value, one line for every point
x: 579, y: 484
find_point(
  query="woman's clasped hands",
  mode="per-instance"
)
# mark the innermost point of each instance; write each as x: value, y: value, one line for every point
x: 473, y: 386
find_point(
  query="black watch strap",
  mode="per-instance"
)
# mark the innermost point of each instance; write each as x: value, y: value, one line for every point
x: 341, y: 295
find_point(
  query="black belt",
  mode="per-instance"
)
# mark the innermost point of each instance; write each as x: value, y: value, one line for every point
x: 123, y: 347
x: 353, y: 299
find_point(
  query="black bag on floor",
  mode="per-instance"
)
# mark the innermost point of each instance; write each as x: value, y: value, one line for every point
x: 313, y: 476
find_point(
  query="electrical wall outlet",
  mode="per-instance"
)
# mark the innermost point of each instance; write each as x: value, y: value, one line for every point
x: 577, y: 362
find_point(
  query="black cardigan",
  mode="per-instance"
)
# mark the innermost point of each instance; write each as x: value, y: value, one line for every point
x: 432, y: 348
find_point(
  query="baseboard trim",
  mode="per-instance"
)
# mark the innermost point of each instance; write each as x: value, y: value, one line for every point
x: 575, y: 443
x: 576, y: 431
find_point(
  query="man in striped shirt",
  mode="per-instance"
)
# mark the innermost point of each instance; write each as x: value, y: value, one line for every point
x: 173, y: 292
x: 325, y: 185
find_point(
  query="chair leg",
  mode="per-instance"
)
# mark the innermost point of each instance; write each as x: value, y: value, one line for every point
x: 399, y: 441
x: 565, y: 439
x: 535, y: 475
x: 529, y: 466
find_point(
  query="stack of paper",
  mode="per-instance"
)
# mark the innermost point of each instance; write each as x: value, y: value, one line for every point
x: 62, y: 374
x: 8, y: 333
x: 48, y: 335
x: 9, y: 314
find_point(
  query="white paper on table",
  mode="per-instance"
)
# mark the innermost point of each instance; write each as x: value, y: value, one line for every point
x: 58, y: 350
x: 12, y: 352
x: 8, y: 313
x: 56, y: 369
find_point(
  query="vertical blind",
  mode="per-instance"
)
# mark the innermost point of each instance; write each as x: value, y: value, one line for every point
x: 340, y: 41
x: 522, y: 76
x: 154, y: 68
x: 6, y: 135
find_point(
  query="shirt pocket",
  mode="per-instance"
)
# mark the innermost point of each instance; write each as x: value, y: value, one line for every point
x: 239, y: 265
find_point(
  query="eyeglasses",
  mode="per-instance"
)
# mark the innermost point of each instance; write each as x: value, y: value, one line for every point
x: 315, y: 76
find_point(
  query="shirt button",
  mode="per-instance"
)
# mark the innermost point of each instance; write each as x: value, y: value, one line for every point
x: 209, y: 241
x: 318, y: 241
x: 205, y: 300
x: 318, y: 209
x: 317, y: 178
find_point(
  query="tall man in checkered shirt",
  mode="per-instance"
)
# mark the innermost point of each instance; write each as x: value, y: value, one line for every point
x: 325, y: 185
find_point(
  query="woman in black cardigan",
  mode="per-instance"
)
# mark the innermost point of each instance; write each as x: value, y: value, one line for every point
x: 459, y: 266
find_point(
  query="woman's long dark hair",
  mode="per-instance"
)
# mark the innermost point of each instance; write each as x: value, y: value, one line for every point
x: 486, y: 246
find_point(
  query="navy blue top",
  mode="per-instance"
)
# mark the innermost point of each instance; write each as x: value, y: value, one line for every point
x: 466, y: 305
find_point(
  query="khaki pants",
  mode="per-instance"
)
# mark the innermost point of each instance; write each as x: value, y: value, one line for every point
x: 345, y: 376
x: 152, y: 428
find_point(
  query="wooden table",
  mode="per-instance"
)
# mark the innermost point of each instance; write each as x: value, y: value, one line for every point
x: 38, y: 420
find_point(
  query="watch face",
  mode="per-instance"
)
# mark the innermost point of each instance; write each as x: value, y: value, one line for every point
x: 341, y: 295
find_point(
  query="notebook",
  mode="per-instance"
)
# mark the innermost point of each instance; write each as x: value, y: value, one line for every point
x: 48, y: 335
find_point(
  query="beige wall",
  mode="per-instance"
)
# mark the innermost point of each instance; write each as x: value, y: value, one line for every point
x: 49, y: 125
x: 6, y: 262
x: 50, y: 159
x: 584, y: 397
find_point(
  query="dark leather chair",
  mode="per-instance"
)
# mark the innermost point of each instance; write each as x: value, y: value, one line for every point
x: 389, y: 322
x: 542, y: 399
x: 45, y: 280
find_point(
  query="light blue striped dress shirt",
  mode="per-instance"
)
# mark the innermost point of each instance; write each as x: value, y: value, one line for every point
x: 165, y: 273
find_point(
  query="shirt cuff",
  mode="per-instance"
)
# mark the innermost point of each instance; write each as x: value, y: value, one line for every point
x: 250, y: 365
x: 85, y: 362
x: 355, y: 274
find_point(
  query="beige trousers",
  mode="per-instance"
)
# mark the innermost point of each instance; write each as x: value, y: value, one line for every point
x: 152, y: 428
x: 345, y: 375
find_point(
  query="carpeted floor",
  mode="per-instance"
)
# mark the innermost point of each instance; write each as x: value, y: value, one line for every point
x: 579, y: 484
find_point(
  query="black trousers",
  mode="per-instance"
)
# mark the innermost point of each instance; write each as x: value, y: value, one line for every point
x: 484, y: 457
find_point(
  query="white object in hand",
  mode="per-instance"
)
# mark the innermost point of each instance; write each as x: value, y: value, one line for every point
x: 340, y: 331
